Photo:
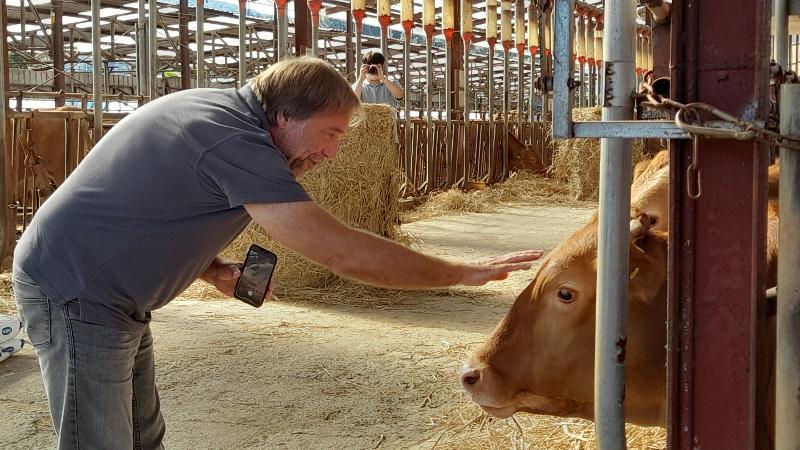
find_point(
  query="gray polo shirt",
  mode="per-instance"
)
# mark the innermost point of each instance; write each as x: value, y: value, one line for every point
x: 377, y: 93
x: 153, y: 203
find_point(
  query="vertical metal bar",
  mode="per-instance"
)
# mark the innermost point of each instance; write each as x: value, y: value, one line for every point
x: 519, y: 43
x: 781, y: 39
x: 590, y: 54
x: 313, y: 8
x: 506, y: 82
x: 8, y: 229
x: 142, y: 59
x: 385, y: 38
x: 582, y: 86
x: 614, y: 235
x: 350, y: 61
x: 57, y: 28
x: 183, y: 31
x: 580, y: 41
x: 200, y: 38
x: 506, y: 39
x: 97, y: 72
x: 23, y: 18
x: 407, y: 145
x: 492, y: 131
x: 491, y: 39
x: 152, y: 25
x: 213, y: 54
x: 283, y: 29
x: 72, y: 53
x: 546, y: 66
x: 112, y: 34
x: 430, y: 151
x: 242, y: 43
x: 358, y: 15
x: 532, y: 96
x: 520, y: 91
x: 787, y: 374
x: 448, y: 102
x: 563, y: 72
x: 467, y: 150
x: 598, y: 69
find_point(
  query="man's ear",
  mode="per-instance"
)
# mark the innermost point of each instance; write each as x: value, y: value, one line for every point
x: 280, y: 120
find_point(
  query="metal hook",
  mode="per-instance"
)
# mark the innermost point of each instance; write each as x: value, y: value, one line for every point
x: 694, y: 187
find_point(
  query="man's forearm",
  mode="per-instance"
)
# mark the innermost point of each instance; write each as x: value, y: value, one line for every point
x: 311, y: 231
x: 382, y: 262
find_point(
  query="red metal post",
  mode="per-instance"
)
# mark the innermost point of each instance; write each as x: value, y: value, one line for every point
x: 302, y: 27
x: 717, y: 241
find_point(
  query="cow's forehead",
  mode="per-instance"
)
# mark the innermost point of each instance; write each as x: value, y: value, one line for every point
x: 580, y: 250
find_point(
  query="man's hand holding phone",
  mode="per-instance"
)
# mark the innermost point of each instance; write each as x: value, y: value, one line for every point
x: 254, y: 284
x: 224, y: 275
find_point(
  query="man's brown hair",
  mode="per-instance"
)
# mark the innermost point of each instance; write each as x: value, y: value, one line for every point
x: 301, y: 87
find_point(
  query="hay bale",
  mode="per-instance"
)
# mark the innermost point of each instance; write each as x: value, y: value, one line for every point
x: 360, y: 187
x: 522, y: 187
x: 577, y: 161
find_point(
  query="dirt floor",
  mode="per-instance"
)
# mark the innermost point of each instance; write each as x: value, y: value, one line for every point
x: 337, y: 370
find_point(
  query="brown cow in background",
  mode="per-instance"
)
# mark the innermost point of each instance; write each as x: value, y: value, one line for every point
x: 540, y: 358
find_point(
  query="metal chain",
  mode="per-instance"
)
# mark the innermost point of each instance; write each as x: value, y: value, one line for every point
x: 688, y: 117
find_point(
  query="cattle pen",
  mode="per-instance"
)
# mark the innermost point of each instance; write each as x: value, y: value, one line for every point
x: 501, y: 97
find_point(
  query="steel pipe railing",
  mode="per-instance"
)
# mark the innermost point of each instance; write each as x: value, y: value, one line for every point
x: 787, y: 374
x: 97, y: 72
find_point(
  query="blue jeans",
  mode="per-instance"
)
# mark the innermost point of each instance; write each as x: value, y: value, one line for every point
x: 100, y: 381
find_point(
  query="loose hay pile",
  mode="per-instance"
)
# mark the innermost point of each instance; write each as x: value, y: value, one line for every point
x: 521, y: 187
x: 464, y: 426
x: 577, y: 161
x: 471, y: 429
x: 360, y: 187
x: 7, y: 304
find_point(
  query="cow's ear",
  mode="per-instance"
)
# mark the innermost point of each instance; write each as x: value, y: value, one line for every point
x: 654, y: 244
x: 648, y: 265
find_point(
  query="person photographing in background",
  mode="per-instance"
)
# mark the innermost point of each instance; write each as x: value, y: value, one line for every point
x: 372, y: 85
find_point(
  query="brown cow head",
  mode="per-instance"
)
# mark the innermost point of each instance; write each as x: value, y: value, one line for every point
x: 540, y: 358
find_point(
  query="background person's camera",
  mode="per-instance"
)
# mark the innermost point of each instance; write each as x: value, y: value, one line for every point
x: 373, y: 69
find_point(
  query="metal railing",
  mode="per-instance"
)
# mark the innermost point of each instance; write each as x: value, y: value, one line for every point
x: 42, y: 147
x: 478, y: 158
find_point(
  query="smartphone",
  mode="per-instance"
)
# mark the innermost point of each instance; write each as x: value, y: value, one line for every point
x: 256, y: 274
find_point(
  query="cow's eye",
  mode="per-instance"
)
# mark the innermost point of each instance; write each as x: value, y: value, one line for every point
x: 565, y: 295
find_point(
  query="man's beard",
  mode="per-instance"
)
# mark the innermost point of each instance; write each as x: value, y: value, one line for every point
x: 294, y: 149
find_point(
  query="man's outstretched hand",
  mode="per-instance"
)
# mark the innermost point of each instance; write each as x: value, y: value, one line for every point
x: 498, y: 267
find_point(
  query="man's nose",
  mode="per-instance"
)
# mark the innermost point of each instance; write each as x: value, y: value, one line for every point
x: 330, y: 151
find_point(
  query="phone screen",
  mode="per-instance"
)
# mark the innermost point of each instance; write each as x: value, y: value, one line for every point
x: 256, y: 274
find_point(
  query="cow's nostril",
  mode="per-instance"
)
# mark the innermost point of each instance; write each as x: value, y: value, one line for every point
x: 470, y: 377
